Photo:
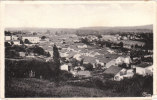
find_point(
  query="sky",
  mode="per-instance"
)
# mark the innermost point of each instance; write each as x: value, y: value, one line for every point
x: 78, y: 15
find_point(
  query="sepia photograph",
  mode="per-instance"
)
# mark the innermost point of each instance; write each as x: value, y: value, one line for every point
x: 78, y: 49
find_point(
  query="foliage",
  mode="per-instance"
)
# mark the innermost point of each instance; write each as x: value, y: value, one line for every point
x: 27, y: 41
x: 88, y: 66
x: 21, y: 69
x: 7, y: 44
x: 43, y: 37
x: 121, y: 44
x: 56, y: 58
x: 65, y: 75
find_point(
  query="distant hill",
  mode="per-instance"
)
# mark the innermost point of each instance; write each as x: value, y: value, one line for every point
x: 144, y: 28
x: 120, y: 27
x: 87, y: 30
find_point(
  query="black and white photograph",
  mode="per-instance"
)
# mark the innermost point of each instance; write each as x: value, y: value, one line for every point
x: 78, y: 49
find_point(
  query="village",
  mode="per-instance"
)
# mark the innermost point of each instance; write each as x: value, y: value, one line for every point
x: 87, y: 56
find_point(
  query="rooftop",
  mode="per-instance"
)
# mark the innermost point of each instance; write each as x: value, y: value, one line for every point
x: 113, y: 70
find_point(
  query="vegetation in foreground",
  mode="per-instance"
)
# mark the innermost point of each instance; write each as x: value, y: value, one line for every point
x: 18, y: 83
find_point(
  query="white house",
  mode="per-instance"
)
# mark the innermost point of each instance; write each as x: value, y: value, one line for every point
x: 79, y: 67
x: 64, y: 67
x: 16, y: 42
x: 64, y: 54
x: 32, y: 39
x: 149, y: 70
x: 77, y: 57
x: 119, y: 60
x: 14, y: 37
x: 110, y: 63
x: 124, y: 73
x: 22, y: 54
x: 83, y: 46
x: 140, y: 71
x: 111, y: 51
x: 98, y: 62
x: 7, y: 38
x: 127, y: 61
x: 81, y: 73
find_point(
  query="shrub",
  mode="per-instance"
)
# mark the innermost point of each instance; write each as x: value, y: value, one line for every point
x: 98, y: 83
x: 135, y: 86
x: 108, y: 76
x: 65, y: 75
x: 88, y: 66
x: 22, y: 68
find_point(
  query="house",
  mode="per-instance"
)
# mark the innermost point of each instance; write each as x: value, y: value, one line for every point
x: 51, y: 53
x: 22, y: 54
x: 113, y: 70
x: 11, y: 37
x: 31, y: 55
x: 119, y: 37
x: 111, y: 51
x: 82, y: 46
x: 124, y: 73
x: 64, y: 54
x: 77, y: 57
x: 32, y: 39
x: 144, y: 71
x: 14, y: 37
x: 119, y: 60
x: 81, y: 73
x: 49, y: 59
x: 111, y: 63
x: 7, y: 38
x: 100, y: 62
x: 79, y: 68
x: 128, y: 46
x: 140, y: 71
x: 64, y: 67
x: 127, y: 61
x: 88, y: 60
x: 16, y: 42
x: 125, y: 38
x: 149, y: 70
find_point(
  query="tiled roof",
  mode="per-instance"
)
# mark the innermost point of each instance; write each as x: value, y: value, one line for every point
x: 113, y: 70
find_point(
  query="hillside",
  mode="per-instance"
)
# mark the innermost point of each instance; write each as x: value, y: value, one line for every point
x: 103, y: 30
x: 32, y: 87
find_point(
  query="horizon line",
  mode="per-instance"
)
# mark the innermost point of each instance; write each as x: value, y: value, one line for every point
x: 82, y: 27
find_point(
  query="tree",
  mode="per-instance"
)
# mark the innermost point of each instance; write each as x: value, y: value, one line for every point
x: 88, y: 66
x: 21, y: 42
x: 12, y: 43
x: 48, y: 54
x: 56, y: 58
x: 99, y: 36
x: 27, y: 41
x: 38, y: 50
x: 43, y: 37
x: 121, y: 44
x: 7, y: 44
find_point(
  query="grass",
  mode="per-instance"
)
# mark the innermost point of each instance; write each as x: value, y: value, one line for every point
x: 32, y: 87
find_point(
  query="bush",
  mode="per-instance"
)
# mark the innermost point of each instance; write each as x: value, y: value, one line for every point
x: 65, y: 75
x: 98, y: 83
x: 88, y: 66
x: 108, y: 76
x: 135, y: 86
x: 22, y: 68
